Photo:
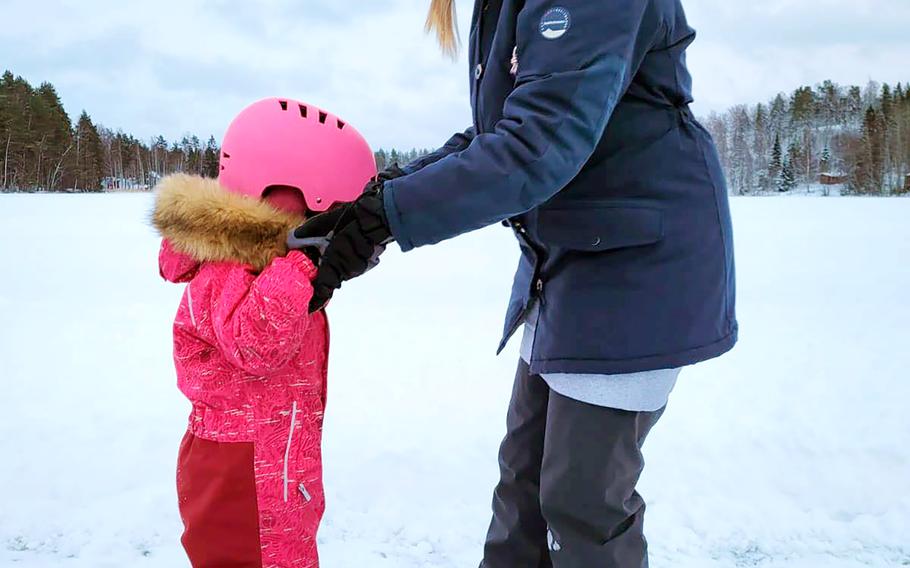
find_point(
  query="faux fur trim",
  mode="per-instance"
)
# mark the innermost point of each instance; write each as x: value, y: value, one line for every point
x: 202, y: 219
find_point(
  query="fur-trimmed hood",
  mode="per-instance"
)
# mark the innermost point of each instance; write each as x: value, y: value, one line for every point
x: 203, y: 220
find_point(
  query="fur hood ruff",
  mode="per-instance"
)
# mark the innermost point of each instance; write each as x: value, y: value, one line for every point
x: 202, y: 219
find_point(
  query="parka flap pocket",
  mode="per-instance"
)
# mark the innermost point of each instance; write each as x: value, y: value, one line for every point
x: 600, y: 226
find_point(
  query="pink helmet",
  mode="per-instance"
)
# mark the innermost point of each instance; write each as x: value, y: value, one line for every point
x: 283, y: 142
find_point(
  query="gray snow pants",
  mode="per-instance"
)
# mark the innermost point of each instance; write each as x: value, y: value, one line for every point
x: 566, y: 496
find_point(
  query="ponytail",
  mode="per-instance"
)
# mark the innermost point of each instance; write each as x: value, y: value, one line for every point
x: 442, y: 20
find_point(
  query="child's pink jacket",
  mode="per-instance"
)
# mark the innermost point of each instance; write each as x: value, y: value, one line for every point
x: 250, y: 359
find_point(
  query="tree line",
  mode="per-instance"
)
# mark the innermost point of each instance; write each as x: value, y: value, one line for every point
x: 857, y: 138
x: 42, y: 149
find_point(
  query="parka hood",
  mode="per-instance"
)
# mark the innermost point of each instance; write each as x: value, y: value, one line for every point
x: 203, y: 220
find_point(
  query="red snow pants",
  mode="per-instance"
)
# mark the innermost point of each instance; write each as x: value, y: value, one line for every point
x: 216, y: 488
x: 227, y: 524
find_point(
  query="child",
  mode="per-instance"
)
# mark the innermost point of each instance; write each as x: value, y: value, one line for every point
x: 249, y: 356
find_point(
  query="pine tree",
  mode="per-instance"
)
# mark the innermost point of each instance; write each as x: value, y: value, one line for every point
x: 12, y: 111
x: 874, y: 138
x: 824, y: 163
x: 787, y: 181
x: 887, y: 102
x: 778, y: 114
x: 89, y: 155
x: 802, y: 107
x: 829, y: 95
x: 794, y: 161
x: 53, y: 140
x: 382, y: 160
x: 868, y: 168
x: 760, y: 145
x: 158, y: 162
x: 776, y: 164
x: 871, y: 94
x: 210, y: 161
x: 902, y: 101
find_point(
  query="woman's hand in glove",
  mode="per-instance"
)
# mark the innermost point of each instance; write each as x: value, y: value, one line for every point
x: 351, y: 237
x: 392, y: 172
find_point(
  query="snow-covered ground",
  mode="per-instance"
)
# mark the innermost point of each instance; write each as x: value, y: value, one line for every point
x: 791, y: 451
x: 806, y: 189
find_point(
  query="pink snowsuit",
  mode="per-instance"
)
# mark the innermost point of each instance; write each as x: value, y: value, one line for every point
x: 253, y: 363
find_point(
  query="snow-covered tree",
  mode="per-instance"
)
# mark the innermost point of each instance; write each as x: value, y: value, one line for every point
x: 824, y: 163
x: 777, y: 162
x: 787, y: 180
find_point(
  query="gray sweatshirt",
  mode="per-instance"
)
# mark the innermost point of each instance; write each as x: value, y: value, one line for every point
x: 646, y: 391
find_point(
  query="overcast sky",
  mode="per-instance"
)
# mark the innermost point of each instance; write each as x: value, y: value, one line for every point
x: 175, y: 66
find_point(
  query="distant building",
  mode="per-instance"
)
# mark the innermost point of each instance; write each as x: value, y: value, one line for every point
x: 122, y: 184
x: 831, y: 178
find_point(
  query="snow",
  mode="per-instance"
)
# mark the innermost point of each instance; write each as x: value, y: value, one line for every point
x: 790, y: 452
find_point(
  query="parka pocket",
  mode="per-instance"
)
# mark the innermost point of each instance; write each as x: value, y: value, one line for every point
x: 596, y: 226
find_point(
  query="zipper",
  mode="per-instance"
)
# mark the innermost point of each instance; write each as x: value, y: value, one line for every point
x: 481, y: 8
x: 287, y: 450
x: 325, y: 370
x: 189, y: 302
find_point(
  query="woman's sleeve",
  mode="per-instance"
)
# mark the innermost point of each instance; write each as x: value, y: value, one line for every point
x: 456, y: 143
x: 565, y: 93
x: 260, y: 320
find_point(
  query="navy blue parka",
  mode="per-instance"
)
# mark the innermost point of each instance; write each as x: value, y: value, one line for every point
x: 615, y: 192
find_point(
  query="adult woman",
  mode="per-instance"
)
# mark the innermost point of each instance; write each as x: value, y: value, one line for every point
x: 584, y: 144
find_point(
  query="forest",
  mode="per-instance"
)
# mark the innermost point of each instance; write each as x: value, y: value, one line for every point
x: 42, y: 149
x: 817, y: 138
x: 822, y: 139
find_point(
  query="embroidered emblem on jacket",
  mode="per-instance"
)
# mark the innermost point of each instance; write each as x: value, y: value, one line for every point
x: 555, y: 23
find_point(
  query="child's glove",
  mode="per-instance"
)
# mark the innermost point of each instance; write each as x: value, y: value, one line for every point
x: 351, y: 238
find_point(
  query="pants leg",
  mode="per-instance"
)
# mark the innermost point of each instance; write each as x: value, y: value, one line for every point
x: 591, y: 464
x: 216, y: 488
x: 566, y: 496
x: 518, y: 532
x: 289, y: 486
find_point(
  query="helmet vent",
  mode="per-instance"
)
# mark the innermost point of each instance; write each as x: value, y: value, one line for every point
x: 302, y: 111
x: 284, y: 105
x: 322, y: 117
x: 226, y: 155
x: 341, y: 124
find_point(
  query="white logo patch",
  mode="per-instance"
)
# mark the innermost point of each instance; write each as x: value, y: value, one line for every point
x: 555, y: 23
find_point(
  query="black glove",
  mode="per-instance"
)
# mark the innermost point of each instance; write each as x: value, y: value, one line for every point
x: 391, y: 172
x: 351, y: 237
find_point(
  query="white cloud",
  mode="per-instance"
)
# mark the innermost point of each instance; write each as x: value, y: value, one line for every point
x: 176, y: 66
x: 750, y: 51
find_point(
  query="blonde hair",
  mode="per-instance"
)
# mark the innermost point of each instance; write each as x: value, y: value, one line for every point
x: 442, y: 20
